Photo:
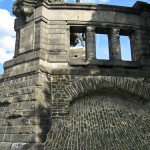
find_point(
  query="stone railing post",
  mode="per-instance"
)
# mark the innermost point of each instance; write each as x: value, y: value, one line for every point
x: 114, y: 44
x: 90, y: 43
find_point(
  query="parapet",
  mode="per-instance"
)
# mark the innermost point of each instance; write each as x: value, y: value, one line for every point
x: 44, y: 29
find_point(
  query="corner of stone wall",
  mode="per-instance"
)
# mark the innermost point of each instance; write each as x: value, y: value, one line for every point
x: 24, y: 110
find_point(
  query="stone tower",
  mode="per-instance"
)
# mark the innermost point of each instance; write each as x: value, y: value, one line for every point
x: 57, y: 96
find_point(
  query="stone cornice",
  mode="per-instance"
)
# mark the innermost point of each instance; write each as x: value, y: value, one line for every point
x: 137, y: 8
x: 26, y: 7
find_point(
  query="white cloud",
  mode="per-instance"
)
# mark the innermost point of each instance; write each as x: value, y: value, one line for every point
x: 7, y: 36
x: 6, y: 23
x: 4, y: 55
x: 7, y: 42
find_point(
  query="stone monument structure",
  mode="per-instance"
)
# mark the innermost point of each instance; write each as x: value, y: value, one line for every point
x: 57, y: 97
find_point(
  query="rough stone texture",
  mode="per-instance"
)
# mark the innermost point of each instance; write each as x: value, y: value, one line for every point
x: 114, y: 116
x: 24, y: 110
x: 102, y: 121
x: 55, y: 97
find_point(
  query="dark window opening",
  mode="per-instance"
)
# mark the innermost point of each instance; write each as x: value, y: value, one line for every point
x: 77, y: 36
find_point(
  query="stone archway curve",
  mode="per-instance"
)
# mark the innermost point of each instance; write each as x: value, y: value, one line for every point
x: 86, y: 85
x: 95, y: 118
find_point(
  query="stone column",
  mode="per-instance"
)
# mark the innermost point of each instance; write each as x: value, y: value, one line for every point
x: 17, y: 43
x: 67, y: 41
x: 136, y: 45
x: 114, y: 44
x: 90, y: 43
x: 40, y: 41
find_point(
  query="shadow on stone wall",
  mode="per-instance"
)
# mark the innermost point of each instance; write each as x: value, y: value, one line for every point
x: 102, y: 121
x: 105, y: 111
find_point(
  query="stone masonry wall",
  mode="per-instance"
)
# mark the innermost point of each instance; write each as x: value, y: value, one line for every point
x: 102, y: 121
x: 55, y: 97
x: 24, y: 110
x: 95, y: 112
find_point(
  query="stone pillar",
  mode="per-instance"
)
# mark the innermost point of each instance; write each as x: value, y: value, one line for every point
x: 90, y: 43
x: 40, y: 41
x: 145, y: 49
x: 114, y: 44
x: 136, y: 45
x: 17, y: 42
x: 67, y: 41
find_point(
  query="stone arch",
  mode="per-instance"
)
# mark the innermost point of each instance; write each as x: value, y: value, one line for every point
x: 87, y: 85
x: 108, y: 121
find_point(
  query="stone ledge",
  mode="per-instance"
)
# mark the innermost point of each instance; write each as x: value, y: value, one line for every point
x: 24, y: 58
x: 92, y: 70
x: 90, y: 6
x: 106, y: 63
x: 105, y: 70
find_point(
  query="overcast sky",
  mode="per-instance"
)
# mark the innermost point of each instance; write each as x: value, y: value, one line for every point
x: 7, y: 34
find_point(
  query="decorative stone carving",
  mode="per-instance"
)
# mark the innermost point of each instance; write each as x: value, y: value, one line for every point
x: 23, y: 7
x: 26, y: 7
x: 23, y: 10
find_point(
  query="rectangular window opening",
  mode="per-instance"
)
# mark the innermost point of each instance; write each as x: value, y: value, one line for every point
x: 102, y: 46
x: 78, y: 37
x: 126, y: 54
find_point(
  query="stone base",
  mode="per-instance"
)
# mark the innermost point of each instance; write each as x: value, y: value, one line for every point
x: 21, y: 146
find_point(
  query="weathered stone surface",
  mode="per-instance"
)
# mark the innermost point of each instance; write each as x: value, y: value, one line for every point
x: 102, y: 122
x: 55, y: 97
x: 22, y: 146
x: 77, y: 55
